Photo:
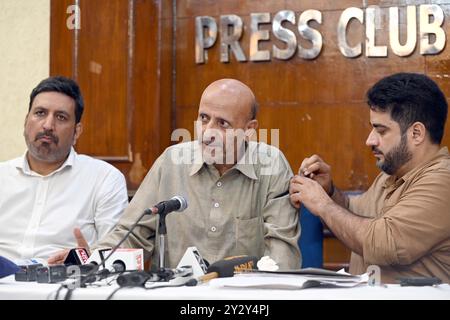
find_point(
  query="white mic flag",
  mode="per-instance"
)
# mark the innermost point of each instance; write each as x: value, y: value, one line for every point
x: 193, y: 258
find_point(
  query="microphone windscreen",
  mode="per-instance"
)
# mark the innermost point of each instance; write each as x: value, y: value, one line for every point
x: 227, y: 266
x: 183, y: 202
x: 133, y: 279
x: 119, y: 266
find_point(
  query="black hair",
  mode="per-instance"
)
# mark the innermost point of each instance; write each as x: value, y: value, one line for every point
x: 254, y: 110
x: 62, y: 85
x: 409, y: 98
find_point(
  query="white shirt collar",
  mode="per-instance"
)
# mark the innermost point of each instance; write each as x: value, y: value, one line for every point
x: 41, y: 212
x: 22, y: 163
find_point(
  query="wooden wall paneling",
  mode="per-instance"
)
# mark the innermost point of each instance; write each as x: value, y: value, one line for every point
x: 146, y: 89
x: 438, y: 68
x: 103, y: 70
x: 325, y: 83
x: 167, y: 45
x: 322, y: 5
x: 335, y: 254
x: 318, y: 106
x: 115, y: 57
x: 61, y: 39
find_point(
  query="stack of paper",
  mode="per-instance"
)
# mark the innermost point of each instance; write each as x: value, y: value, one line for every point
x: 290, y: 279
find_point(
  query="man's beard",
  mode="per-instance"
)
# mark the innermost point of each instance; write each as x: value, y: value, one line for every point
x: 44, y: 151
x: 395, y: 158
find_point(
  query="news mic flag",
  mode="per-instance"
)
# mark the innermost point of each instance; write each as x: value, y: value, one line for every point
x: 228, y: 266
x: 193, y: 258
x: 7, y: 267
x: 76, y: 256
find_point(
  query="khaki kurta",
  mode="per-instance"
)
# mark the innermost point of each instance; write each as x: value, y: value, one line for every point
x: 410, y: 235
x: 244, y: 211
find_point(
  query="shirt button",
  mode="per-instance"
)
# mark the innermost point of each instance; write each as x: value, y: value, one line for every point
x: 216, y: 205
x: 219, y: 184
x: 213, y: 229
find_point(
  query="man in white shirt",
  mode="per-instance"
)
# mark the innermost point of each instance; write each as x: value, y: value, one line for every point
x: 51, y: 190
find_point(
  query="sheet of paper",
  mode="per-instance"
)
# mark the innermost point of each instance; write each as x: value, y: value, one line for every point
x: 286, y: 281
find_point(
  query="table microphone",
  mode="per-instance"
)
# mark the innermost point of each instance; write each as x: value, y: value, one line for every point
x: 176, y: 203
x: 228, y: 266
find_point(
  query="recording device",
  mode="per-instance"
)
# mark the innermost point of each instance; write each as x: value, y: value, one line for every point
x: 133, y: 279
x: 183, y: 271
x: 51, y: 274
x: 87, y: 268
x: 27, y: 272
x: 140, y: 278
x: 167, y: 274
x: 122, y: 259
x: 96, y: 275
x: 228, y: 266
x: 419, y: 281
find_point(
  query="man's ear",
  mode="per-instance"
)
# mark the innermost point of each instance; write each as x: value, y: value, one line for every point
x: 78, y: 132
x: 251, y: 127
x: 26, y: 118
x: 418, y: 132
x: 25, y: 125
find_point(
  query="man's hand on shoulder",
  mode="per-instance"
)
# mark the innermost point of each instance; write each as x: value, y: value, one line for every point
x: 318, y: 170
x: 313, y: 168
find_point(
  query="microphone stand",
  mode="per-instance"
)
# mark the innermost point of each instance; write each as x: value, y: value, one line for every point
x: 162, y: 230
x: 161, y: 249
x: 163, y: 210
x: 164, y: 274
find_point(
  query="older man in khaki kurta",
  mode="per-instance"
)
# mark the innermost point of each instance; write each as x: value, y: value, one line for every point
x: 237, y: 190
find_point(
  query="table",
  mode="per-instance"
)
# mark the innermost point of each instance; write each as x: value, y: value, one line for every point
x: 12, y: 290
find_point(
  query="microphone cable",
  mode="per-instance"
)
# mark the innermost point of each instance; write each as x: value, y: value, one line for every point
x: 103, y: 260
x: 94, y: 272
x: 148, y: 211
x: 191, y: 282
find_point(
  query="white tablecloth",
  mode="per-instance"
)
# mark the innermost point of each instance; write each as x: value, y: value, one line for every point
x: 10, y: 289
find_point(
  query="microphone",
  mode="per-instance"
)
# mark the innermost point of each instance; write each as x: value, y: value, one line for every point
x: 140, y: 278
x: 227, y: 267
x: 51, y: 274
x: 27, y: 268
x: 116, y: 267
x: 76, y: 256
x: 128, y: 258
x: 176, y: 203
x: 133, y: 279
